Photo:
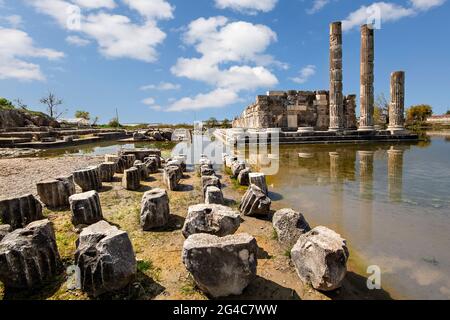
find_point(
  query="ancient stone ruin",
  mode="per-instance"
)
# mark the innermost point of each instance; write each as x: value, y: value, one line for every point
x: 289, y: 226
x: 88, y: 179
x: 221, y: 266
x: 155, y: 211
x: 320, y: 258
x: 18, y: 212
x: 131, y: 179
x: 86, y: 208
x: 106, y: 259
x: 29, y: 257
x: 255, y: 202
x: 55, y: 193
x: 213, y: 219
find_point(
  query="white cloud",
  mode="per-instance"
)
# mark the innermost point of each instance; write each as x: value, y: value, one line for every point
x: 159, y: 9
x: 14, y: 21
x: 305, y: 74
x: 77, y: 41
x: 162, y: 86
x: 149, y: 101
x: 156, y: 108
x: 426, y: 4
x: 317, y: 6
x: 247, y: 6
x: 239, y: 45
x: 17, y: 45
x: 214, y: 99
x: 116, y: 35
x: 388, y: 12
x: 94, y: 4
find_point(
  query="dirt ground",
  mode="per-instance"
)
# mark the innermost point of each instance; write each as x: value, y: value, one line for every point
x: 161, y: 274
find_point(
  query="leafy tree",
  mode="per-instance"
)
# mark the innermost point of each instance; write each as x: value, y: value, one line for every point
x: 82, y: 114
x: 381, y: 110
x: 114, y: 122
x: 226, y: 123
x: 95, y: 120
x: 448, y: 112
x: 418, y: 113
x: 212, y: 122
x: 53, y: 104
x: 6, y: 104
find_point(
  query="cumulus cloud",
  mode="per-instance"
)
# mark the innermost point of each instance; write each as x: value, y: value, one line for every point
x: 247, y: 6
x: 162, y: 86
x: 117, y: 35
x: 16, y: 48
x: 426, y: 4
x: 317, y: 6
x: 77, y: 41
x: 14, y: 21
x: 149, y: 101
x: 214, y: 99
x: 239, y: 45
x: 305, y: 74
x: 94, y: 4
x: 159, y: 9
x: 387, y: 12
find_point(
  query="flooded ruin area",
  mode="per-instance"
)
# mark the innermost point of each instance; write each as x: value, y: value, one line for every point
x: 390, y: 201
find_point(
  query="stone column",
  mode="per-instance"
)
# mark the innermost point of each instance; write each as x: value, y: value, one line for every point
x: 395, y: 174
x: 397, y: 106
x: 367, y: 78
x: 336, y: 96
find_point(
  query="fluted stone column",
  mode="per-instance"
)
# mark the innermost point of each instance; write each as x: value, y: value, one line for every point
x: 336, y: 96
x: 395, y: 174
x: 397, y: 105
x: 367, y: 77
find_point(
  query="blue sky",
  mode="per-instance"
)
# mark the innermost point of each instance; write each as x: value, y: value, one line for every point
x: 177, y: 61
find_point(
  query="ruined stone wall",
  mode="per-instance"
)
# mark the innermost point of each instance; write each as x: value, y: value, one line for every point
x: 293, y: 109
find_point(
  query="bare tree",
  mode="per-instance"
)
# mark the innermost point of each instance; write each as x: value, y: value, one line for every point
x: 20, y: 104
x: 52, y: 103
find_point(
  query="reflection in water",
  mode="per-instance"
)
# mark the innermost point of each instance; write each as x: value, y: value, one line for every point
x: 337, y: 201
x: 390, y: 201
x: 366, y: 194
x: 395, y: 173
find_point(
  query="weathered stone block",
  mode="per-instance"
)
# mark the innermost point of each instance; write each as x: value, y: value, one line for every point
x: 55, y: 193
x: 29, y: 257
x: 206, y: 170
x: 208, y: 181
x: 221, y: 266
x: 289, y: 226
x: 255, y: 202
x: 320, y: 258
x: 155, y: 210
x: 86, y: 208
x: 259, y: 179
x: 143, y: 172
x: 106, y: 259
x: 129, y: 160
x: 20, y: 211
x: 152, y: 165
x: 4, y: 230
x: 243, y: 177
x: 107, y: 171
x: 236, y: 167
x: 213, y: 195
x: 171, y: 177
x: 131, y: 179
x: 88, y: 179
x: 212, y: 219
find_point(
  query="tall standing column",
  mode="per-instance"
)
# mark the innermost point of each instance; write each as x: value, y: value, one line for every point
x: 367, y: 78
x: 395, y: 174
x: 397, y: 105
x: 336, y: 96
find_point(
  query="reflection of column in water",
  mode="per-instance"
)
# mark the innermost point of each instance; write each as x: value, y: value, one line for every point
x: 366, y: 174
x: 366, y: 193
x: 337, y: 196
x: 395, y: 174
